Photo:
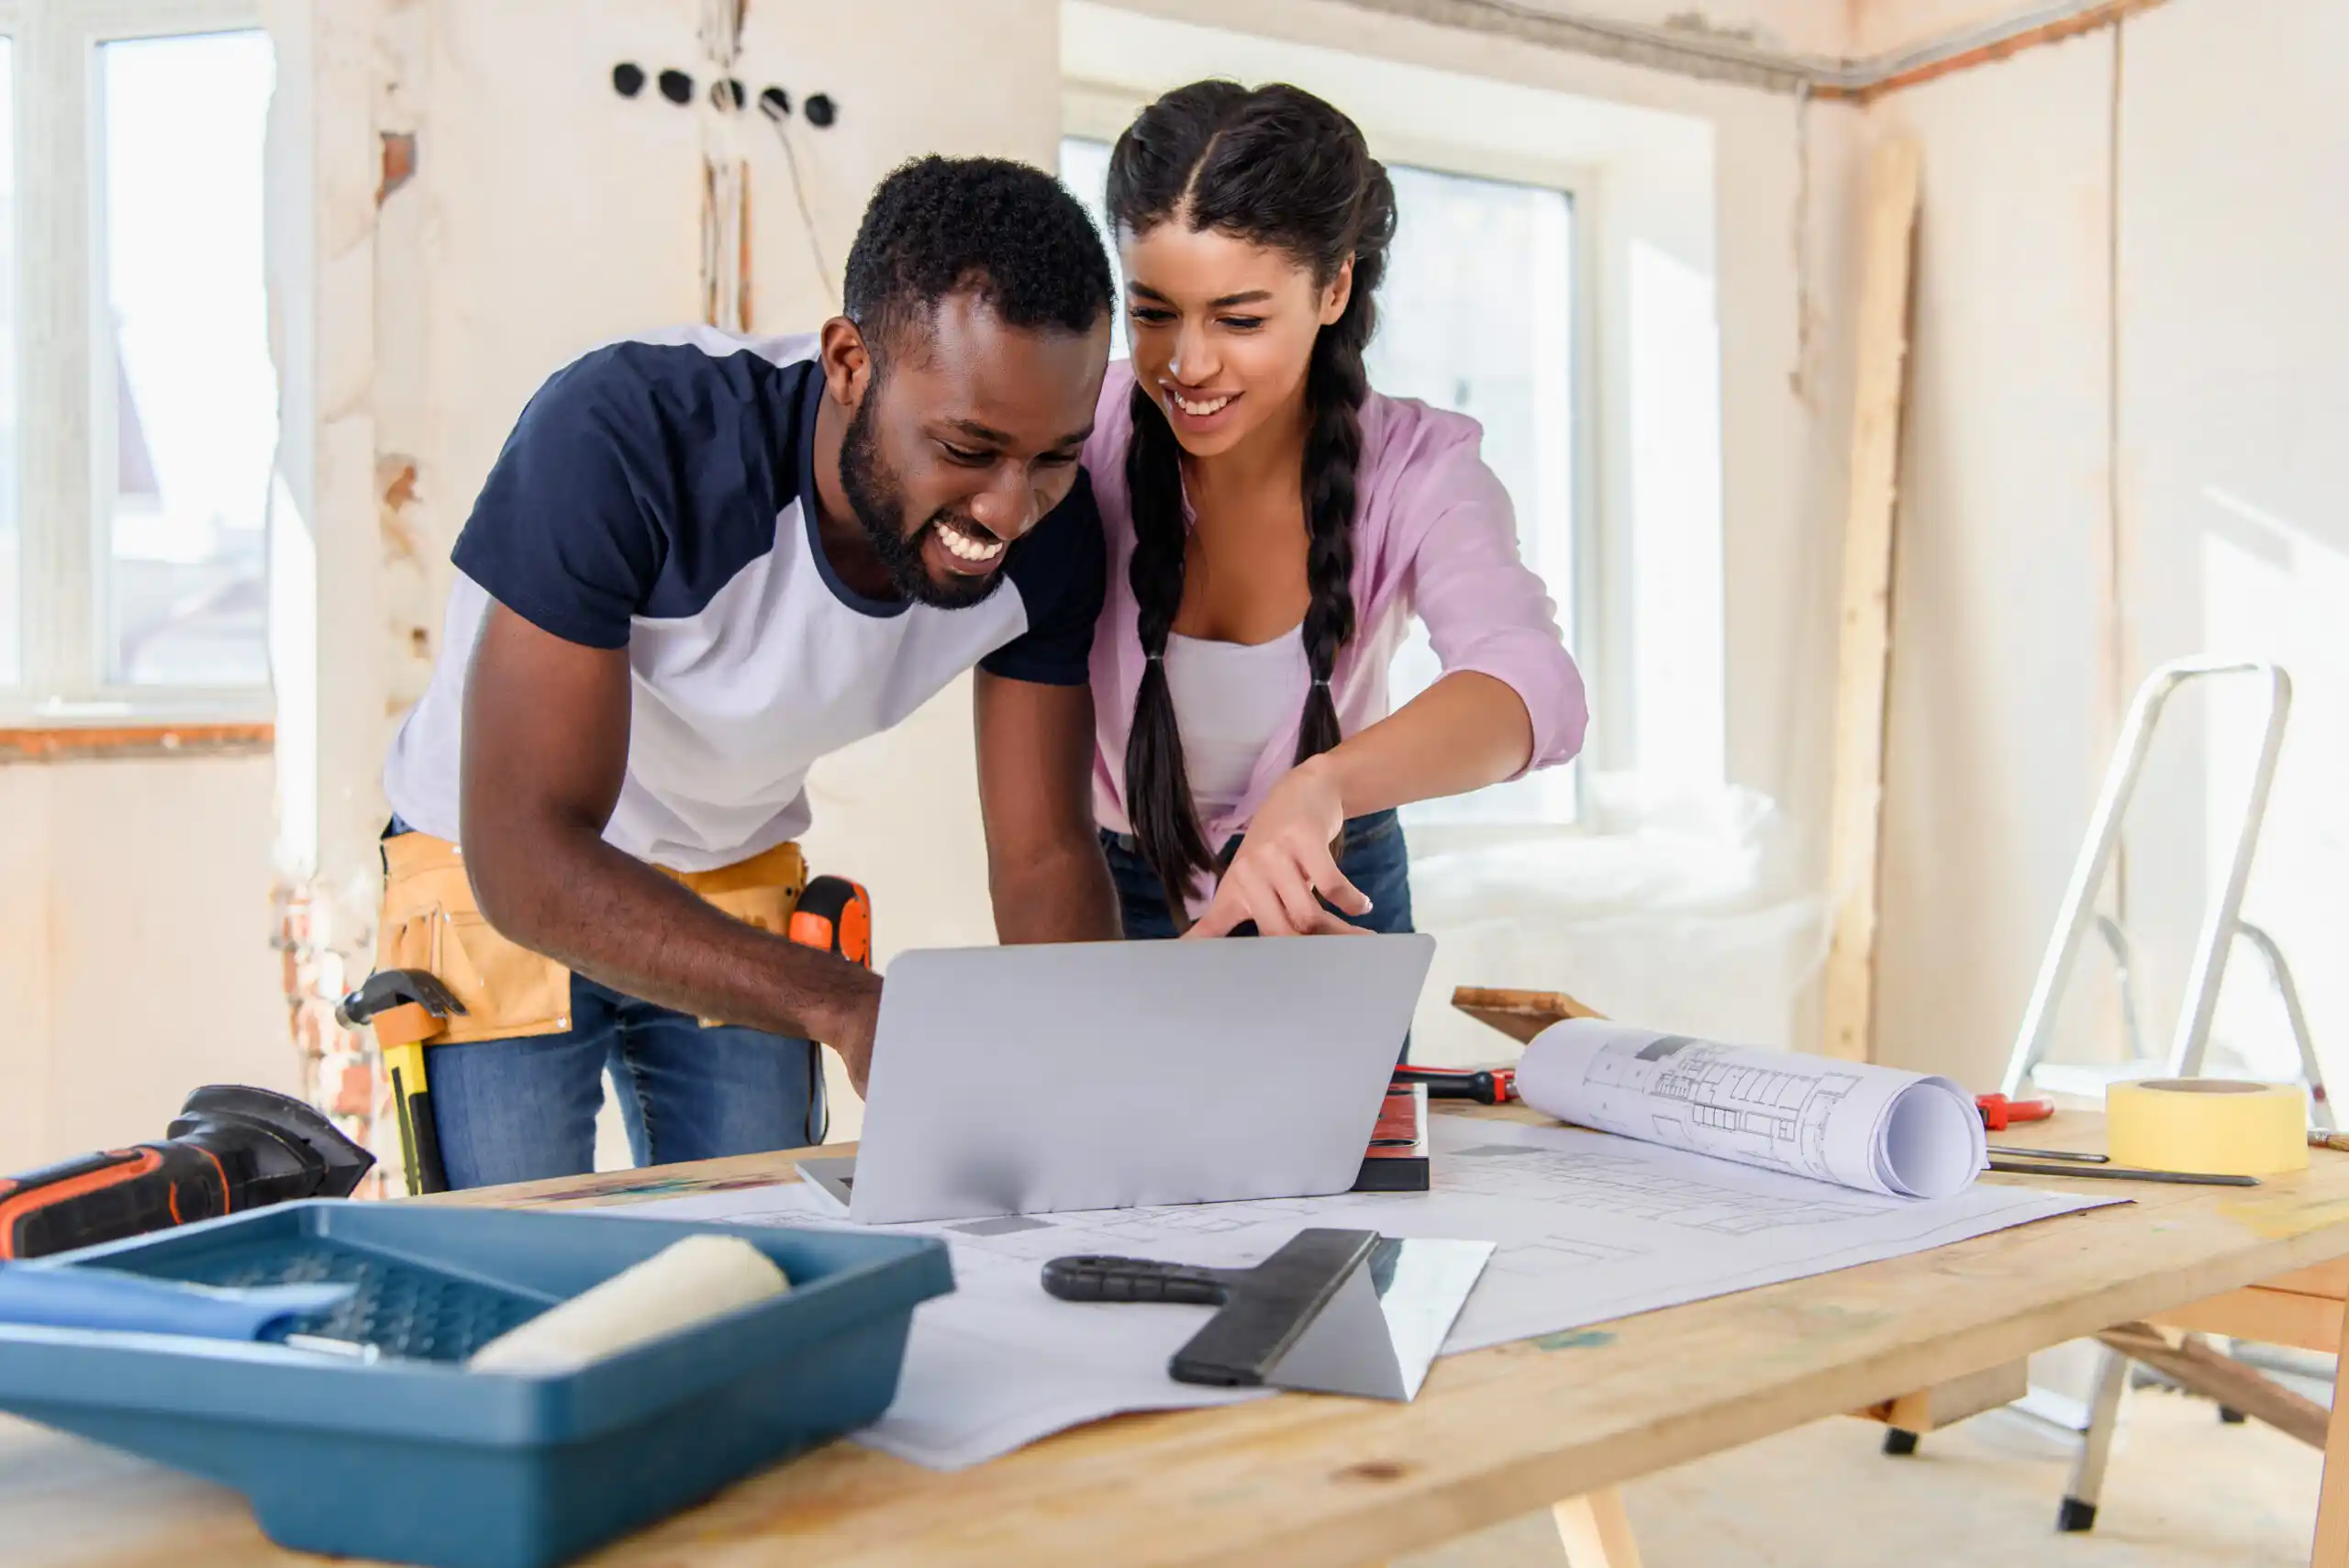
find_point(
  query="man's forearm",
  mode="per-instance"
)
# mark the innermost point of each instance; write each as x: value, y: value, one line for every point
x: 1065, y: 896
x: 618, y: 921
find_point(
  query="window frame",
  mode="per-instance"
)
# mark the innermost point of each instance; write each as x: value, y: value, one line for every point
x: 66, y: 549
x: 1098, y: 111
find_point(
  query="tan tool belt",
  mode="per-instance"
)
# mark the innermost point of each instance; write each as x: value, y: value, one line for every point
x: 431, y: 922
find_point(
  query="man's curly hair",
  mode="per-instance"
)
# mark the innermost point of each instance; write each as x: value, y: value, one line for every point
x: 1008, y: 232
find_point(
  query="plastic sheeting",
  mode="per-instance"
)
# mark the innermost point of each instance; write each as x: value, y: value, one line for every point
x: 1677, y: 911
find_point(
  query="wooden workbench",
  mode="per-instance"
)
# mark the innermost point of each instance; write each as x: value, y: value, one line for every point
x: 1303, y: 1480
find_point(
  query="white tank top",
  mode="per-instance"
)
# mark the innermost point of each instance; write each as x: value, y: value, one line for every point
x: 1233, y: 701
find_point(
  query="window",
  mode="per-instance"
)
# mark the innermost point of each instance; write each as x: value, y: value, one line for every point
x: 1476, y: 315
x: 12, y: 661
x: 185, y: 437
x: 136, y: 583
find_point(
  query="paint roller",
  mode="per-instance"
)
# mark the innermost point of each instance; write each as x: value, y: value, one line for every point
x: 698, y: 1279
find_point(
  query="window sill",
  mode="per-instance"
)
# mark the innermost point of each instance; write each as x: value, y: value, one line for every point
x: 71, y: 743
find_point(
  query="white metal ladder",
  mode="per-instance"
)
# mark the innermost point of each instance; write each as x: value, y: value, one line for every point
x: 2222, y: 923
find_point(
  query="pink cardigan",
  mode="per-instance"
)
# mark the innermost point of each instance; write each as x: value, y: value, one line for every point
x: 1434, y: 535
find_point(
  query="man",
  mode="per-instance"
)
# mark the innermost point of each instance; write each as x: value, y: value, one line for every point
x: 699, y: 564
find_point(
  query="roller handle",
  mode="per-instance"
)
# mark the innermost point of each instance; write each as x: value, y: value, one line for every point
x: 1133, y: 1279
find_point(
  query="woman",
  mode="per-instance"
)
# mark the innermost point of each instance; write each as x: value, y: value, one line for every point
x: 1271, y: 524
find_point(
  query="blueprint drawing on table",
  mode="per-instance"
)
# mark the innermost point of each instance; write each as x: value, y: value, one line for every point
x: 1587, y: 1228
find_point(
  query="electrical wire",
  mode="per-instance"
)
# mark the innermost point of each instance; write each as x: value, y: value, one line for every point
x: 799, y: 195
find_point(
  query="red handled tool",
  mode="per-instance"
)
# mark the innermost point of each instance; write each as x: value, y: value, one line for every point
x: 1486, y: 1086
x: 1999, y: 1113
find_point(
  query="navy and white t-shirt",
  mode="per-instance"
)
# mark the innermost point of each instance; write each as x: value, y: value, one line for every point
x: 657, y: 495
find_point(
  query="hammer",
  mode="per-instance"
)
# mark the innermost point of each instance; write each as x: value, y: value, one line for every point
x: 407, y: 1007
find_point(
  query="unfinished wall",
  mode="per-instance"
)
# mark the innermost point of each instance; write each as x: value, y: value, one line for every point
x: 2233, y: 390
x: 2128, y: 252
x: 483, y: 207
x: 1996, y: 730
x: 136, y: 922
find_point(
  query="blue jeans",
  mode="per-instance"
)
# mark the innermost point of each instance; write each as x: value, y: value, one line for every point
x: 523, y: 1110
x: 1374, y: 857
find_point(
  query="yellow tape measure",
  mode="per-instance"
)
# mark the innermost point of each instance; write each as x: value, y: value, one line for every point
x: 2217, y: 1126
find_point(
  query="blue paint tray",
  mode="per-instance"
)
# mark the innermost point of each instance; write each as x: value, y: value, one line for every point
x: 413, y: 1458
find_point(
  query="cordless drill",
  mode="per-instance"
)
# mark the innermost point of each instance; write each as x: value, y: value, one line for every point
x: 231, y: 1148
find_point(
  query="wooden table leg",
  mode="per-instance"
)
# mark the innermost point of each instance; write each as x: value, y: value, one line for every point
x: 2332, y: 1548
x: 1595, y: 1532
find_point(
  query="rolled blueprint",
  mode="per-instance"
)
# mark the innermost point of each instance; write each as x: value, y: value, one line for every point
x: 699, y: 1278
x: 1876, y: 1129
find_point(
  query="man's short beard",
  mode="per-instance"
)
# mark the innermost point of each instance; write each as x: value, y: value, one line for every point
x: 878, y: 501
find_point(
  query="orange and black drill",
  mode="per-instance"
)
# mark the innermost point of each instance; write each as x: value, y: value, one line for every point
x: 231, y: 1148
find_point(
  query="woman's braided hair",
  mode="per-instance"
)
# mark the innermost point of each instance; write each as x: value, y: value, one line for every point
x: 1278, y: 167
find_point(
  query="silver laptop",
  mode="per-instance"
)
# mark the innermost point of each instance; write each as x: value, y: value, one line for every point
x: 1022, y: 1080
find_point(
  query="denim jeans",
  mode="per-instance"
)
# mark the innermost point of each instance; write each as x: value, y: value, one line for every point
x: 1374, y: 857
x: 522, y: 1110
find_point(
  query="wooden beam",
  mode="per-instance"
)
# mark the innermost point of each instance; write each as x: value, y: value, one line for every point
x: 1946, y: 1404
x: 65, y: 743
x: 2326, y: 1279
x: 2270, y: 1316
x: 2331, y: 1547
x: 1521, y: 1014
x: 2223, y: 1378
x: 1863, y: 662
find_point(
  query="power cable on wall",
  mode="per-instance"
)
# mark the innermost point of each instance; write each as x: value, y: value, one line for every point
x: 775, y: 104
x: 726, y: 191
x: 726, y: 196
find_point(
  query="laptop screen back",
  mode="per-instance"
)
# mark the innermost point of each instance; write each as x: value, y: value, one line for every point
x: 1022, y: 1080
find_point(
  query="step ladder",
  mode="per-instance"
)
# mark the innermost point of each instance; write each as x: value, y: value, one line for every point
x: 2222, y: 925
x: 2222, y: 921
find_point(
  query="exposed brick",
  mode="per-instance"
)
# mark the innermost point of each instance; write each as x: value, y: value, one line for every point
x: 399, y: 162
x: 338, y: 1067
x: 354, y: 1093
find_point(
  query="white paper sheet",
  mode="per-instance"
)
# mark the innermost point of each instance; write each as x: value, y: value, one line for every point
x: 1853, y: 1123
x: 1589, y: 1228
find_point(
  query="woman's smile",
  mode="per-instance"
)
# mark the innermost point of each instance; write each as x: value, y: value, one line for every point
x: 1197, y: 413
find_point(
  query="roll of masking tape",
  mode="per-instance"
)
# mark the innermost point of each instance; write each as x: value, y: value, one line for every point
x: 2215, y: 1127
